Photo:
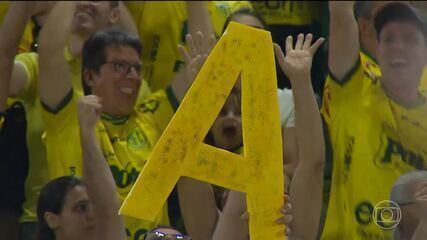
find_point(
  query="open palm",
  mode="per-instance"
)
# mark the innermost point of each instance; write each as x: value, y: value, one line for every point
x: 298, y: 60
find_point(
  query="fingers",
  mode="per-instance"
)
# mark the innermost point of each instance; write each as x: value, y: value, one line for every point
x: 307, y: 42
x: 212, y: 42
x: 289, y: 44
x: 286, y: 199
x: 279, y: 53
x: 192, y: 50
x: 245, y: 216
x: 184, y: 53
x: 316, y: 45
x: 199, y: 42
x: 300, y: 42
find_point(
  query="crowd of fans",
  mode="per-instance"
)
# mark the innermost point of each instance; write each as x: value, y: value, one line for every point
x: 88, y: 87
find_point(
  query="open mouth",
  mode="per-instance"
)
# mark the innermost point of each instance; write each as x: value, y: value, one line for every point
x: 229, y: 131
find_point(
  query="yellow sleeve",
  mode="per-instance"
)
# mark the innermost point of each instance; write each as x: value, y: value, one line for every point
x: 1, y: 121
x: 62, y: 138
x: 159, y: 108
x: 339, y: 95
x: 30, y: 64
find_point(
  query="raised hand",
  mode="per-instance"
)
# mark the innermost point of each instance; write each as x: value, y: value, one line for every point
x: 196, y: 54
x: 285, y: 219
x: 298, y: 60
x: 89, y: 110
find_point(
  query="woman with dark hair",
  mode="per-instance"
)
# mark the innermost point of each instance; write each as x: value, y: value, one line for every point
x: 61, y: 203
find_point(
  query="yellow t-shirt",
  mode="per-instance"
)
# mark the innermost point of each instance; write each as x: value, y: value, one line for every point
x: 37, y: 172
x: 162, y: 26
x: 374, y: 140
x: 27, y: 38
x: 296, y: 13
x: 125, y: 142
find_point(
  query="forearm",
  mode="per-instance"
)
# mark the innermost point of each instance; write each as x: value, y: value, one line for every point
x: 126, y: 21
x: 309, y: 171
x: 198, y: 207
x: 199, y: 20
x: 11, y: 33
x: 101, y: 188
x: 344, y: 43
x: 230, y: 225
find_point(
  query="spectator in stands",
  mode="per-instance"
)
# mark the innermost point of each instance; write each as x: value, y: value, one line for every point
x: 20, y: 80
x: 374, y: 114
x: 410, y: 194
x: 13, y: 148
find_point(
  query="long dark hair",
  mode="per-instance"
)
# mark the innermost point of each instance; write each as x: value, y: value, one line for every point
x: 52, y: 199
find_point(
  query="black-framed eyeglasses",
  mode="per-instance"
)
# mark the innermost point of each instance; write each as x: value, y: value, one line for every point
x: 124, y: 68
x: 157, y: 235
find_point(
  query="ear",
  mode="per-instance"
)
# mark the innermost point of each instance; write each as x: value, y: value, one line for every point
x: 115, y: 14
x: 88, y: 77
x: 52, y: 220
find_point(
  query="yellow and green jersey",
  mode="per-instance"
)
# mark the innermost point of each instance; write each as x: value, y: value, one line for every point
x: 374, y: 141
x: 162, y: 26
x: 294, y: 13
x: 126, y: 144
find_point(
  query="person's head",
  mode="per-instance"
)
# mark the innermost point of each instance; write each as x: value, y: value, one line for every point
x: 246, y: 16
x: 365, y: 12
x: 401, y: 35
x: 64, y: 211
x: 402, y: 194
x: 92, y: 16
x: 226, y: 131
x: 111, y: 70
x: 165, y: 233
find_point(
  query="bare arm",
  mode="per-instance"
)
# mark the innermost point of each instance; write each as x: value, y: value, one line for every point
x: 199, y: 21
x: 55, y: 74
x: 308, y: 175
x: 126, y: 21
x: 200, y: 41
x: 198, y: 207
x: 344, y: 43
x: 97, y: 174
x: 11, y: 33
x: 231, y: 225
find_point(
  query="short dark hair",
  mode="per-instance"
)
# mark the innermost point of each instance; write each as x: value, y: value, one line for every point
x: 398, y: 12
x: 242, y: 12
x: 52, y: 199
x: 94, y: 49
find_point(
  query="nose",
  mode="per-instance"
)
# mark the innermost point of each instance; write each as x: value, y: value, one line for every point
x: 90, y: 214
x: 133, y: 73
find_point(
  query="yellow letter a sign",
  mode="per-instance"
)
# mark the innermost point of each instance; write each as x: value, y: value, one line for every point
x: 180, y: 151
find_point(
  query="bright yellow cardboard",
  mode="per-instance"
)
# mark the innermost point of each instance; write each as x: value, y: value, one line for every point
x: 180, y: 151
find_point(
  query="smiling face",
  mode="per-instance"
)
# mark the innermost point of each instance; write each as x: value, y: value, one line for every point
x: 75, y: 221
x: 227, y: 128
x: 402, y: 55
x: 117, y: 88
x: 91, y: 16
